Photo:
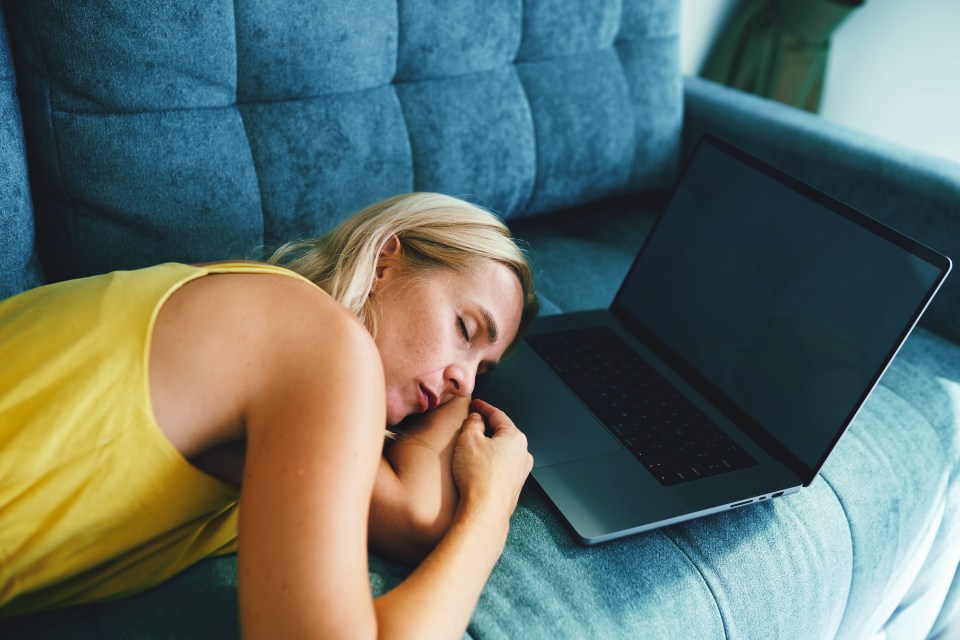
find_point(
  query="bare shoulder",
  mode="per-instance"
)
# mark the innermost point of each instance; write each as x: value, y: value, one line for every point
x: 265, y: 308
x: 223, y: 341
x: 275, y: 361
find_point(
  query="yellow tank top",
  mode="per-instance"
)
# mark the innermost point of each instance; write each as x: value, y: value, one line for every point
x: 95, y: 502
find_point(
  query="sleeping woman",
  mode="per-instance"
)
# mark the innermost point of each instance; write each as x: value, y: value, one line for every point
x: 151, y: 418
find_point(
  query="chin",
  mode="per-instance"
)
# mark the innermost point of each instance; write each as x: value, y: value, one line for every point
x: 396, y: 409
x: 395, y: 417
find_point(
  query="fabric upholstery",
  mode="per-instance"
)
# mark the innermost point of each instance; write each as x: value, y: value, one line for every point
x: 199, y: 604
x: 200, y: 130
x: 580, y: 256
x: 18, y: 268
x: 298, y: 116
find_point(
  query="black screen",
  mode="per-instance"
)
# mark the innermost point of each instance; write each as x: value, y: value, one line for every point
x: 787, y: 307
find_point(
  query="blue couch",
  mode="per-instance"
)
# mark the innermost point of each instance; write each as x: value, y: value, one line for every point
x: 138, y: 132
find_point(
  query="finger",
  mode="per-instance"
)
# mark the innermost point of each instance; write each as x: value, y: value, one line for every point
x: 474, y: 422
x: 496, y: 418
x: 476, y: 404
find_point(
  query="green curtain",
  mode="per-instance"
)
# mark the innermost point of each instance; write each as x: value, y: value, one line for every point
x: 778, y: 48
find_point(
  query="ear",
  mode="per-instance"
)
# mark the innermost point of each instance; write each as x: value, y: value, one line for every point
x: 385, y: 265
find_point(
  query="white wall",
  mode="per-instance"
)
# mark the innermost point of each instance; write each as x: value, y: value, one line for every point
x: 894, y: 68
x: 894, y: 71
x: 700, y: 22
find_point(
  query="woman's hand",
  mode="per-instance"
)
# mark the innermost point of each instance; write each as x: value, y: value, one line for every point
x: 415, y: 498
x: 490, y: 470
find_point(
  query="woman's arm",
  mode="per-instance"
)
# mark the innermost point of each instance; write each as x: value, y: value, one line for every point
x: 415, y: 497
x: 305, y: 379
x: 276, y: 362
x: 303, y: 569
x: 489, y: 473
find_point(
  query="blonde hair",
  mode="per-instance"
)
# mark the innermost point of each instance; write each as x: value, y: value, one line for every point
x: 435, y: 231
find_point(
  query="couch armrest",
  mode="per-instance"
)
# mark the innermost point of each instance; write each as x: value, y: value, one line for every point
x: 915, y: 193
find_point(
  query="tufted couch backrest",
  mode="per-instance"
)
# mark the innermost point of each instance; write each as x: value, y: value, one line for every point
x: 193, y: 131
x: 19, y: 268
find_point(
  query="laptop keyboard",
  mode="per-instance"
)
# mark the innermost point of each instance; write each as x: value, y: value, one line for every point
x: 664, y: 430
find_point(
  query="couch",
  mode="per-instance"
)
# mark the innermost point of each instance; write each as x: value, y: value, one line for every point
x: 133, y: 133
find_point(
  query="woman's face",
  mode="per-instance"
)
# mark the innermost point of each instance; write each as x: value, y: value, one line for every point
x: 438, y: 330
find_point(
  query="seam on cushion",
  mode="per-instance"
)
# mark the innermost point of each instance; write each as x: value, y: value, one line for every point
x: 613, y: 45
x: 396, y: 94
x: 566, y: 56
x: 703, y: 578
x: 612, y: 49
x: 220, y: 107
x: 843, y: 507
x: 523, y: 32
x: 516, y: 50
x: 235, y: 107
x: 913, y: 407
x: 630, y: 180
x: 445, y: 76
x: 53, y: 133
x: 660, y: 36
x: 924, y: 418
x: 396, y: 57
x: 236, y: 57
x: 523, y: 207
x: 616, y: 36
x: 525, y: 204
x: 406, y: 130
x: 853, y: 548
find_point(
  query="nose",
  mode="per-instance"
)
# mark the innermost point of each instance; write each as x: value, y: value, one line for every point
x: 461, y: 380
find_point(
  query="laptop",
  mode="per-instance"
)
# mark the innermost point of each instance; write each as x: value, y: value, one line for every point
x: 750, y: 329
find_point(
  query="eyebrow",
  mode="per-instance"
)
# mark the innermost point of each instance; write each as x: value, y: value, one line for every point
x: 493, y: 332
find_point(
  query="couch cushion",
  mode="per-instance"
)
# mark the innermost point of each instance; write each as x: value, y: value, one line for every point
x: 581, y: 255
x: 193, y: 132
x: 895, y: 482
x: 18, y: 268
x: 198, y: 604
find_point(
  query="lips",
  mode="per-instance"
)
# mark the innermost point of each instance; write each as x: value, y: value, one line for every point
x: 428, y: 399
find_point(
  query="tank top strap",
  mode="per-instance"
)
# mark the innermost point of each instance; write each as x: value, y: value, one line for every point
x: 254, y: 267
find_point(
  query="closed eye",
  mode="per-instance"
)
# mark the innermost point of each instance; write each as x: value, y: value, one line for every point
x: 463, y: 328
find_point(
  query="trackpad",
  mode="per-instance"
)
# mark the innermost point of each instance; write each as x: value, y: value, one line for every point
x: 558, y: 427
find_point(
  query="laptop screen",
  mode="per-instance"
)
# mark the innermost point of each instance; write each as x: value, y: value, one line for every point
x: 788, y: 303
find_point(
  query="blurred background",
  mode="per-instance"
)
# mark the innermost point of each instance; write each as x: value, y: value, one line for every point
x: 887, y: 67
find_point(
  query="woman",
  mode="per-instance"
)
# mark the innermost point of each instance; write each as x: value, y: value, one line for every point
x: 138, y: 402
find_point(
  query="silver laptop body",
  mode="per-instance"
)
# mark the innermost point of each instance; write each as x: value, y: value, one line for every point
x: 771, y: 309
